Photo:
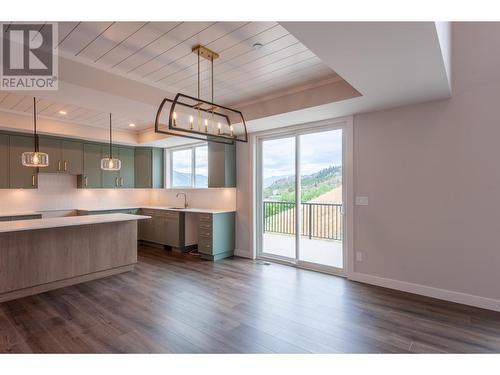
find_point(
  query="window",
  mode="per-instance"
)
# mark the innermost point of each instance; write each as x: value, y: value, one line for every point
x: 189, y: 167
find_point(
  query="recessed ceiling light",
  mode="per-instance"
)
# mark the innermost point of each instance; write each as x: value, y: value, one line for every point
x: 131, y: 125
x: 63, y: 112
x: 257, y: 46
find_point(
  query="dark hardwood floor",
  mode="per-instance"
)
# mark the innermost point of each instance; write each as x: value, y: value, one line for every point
x: 176, y: 303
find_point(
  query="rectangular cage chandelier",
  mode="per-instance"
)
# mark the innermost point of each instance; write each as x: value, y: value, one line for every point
x: 196, y: 118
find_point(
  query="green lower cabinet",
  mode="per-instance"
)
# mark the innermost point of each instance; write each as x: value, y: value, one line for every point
x: 130, y: 211
x: 26, y: 217
x: 21, y: 177
x: 20, y: 217
x: 216, y: 235
x: 165, y: 228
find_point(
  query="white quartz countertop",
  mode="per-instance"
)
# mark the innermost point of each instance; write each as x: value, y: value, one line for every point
x: 190, y: 209
x: 167, y: 208
x: 57, y: 222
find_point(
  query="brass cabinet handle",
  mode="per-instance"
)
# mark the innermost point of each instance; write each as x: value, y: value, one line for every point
x: 32, y: 180
x: 65, y: 165
x: 58, y: 165
x: 86, y: 181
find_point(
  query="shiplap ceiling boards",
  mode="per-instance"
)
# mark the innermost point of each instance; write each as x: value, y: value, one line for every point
x: 18, y: 103
x: 159, y: 54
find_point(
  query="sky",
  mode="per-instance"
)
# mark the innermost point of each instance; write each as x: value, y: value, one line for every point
x: 182, y: 160
x: 318, y: 151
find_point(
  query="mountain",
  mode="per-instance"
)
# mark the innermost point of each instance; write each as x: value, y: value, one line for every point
x: 312, y: 186
x: 184, y: 179
x: 271, y: 180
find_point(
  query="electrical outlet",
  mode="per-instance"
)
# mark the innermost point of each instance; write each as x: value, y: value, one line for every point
x: 361, y: 201
x: 359, y: 256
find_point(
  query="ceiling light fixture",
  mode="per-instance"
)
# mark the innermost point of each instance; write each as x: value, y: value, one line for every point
x: 110, y: 163
x: 201, y: 119
x: 131, y: 125
x: 257, y: 46
x: 35, y: 159
x: 63, y: 112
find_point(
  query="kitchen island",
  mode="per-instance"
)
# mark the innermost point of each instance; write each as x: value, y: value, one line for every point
x: 44, y: 254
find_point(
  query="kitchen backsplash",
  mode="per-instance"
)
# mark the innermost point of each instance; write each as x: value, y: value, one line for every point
x: 59, y: 192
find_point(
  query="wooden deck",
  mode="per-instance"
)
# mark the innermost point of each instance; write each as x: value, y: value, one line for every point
x: 175, y: 303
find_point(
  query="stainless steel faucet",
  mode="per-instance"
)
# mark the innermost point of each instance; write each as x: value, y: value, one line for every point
x: 185, y: 198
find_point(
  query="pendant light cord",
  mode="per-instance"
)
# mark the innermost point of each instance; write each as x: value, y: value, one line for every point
x: 34, y: 125
x: 212, y: 60
x: 110, y: 139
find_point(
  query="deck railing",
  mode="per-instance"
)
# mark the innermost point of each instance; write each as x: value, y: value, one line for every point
x: 318, y: 220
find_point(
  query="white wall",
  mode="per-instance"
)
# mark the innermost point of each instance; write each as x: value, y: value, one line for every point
x: 199, y: 198
x: 432, y: 173
x: 59, y: 192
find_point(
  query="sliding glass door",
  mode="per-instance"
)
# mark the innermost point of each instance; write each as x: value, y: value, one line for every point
x: 278, y: 197
x: 301, y: 198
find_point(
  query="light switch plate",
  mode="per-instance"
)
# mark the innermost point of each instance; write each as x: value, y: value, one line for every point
x: 361, y: 201
x: 359, y: 256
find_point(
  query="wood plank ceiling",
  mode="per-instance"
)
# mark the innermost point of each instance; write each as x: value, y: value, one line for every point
x: 159, y: 54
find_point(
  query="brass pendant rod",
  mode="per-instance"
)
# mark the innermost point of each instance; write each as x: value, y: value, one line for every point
x: 199, y: 74
x: 212, y: 60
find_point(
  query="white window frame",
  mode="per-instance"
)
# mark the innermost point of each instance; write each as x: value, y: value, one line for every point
x: 170, y: 169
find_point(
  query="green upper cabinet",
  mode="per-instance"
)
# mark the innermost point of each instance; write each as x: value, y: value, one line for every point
x: 149, y: 166
x: 52, y: 146
x: 91, y: 177
x: 110, y: 179
x: 221, y: 165
x: 21, y: 177
x: 127, y: 172
x: 4, y: 161
x: 72, y: 156
x: 65, y: 156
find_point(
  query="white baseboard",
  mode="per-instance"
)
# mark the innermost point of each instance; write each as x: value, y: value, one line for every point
x: 443, y: 294
x: 242, y: 254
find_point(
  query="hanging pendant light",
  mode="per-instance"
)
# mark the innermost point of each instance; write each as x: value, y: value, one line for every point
x: 214, y: 122
x: 110, y: 163
x: 35, y: 159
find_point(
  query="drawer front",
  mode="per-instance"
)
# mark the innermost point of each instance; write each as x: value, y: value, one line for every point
x: 205, y: 248
x: 205, y: 219
x: 162, y: 213
x: 205, y: 232
x: 171, y: 214
x: 147, y: 211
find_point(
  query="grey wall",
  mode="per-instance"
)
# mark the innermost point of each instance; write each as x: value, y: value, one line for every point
x: 431, y: 172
